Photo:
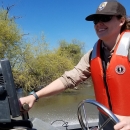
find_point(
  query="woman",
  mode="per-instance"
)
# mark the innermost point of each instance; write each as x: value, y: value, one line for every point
x: 107, y: 63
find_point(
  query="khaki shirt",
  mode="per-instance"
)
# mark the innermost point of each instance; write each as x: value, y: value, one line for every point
x: 81, y: 71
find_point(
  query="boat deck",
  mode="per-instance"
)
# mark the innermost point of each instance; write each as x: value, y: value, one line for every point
x: 39, y: 125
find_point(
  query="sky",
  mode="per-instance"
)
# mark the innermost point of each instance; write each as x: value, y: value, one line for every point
x: 57, y: 19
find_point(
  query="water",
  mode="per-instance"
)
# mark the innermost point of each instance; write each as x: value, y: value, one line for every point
x: 63, y: 107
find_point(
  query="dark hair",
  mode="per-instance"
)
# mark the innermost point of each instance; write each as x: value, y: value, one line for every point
x: 126, y: 25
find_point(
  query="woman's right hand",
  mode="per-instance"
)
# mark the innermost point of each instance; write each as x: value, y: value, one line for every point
x: 29, y: 100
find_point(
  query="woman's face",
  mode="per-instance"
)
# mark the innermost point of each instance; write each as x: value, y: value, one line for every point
x: 108, y: 30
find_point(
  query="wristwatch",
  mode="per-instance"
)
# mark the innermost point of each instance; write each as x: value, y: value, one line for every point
x: 35, y: 95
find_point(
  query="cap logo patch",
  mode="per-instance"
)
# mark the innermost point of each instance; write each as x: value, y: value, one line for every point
x: 120, y: 69
x: 102, y: 6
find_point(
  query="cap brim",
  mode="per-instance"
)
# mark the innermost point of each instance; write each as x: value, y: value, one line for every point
x: 91, y: 17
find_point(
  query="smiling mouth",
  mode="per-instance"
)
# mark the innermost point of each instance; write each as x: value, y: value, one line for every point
x: 101, y: 30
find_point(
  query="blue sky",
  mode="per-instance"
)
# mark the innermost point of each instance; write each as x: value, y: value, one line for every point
x: 58, y: 19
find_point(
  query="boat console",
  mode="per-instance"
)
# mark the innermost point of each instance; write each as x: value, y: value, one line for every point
x: 9, y: 104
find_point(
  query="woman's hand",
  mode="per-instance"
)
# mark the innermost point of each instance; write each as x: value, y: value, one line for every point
x: 29, y: 100
x: 124, y: 123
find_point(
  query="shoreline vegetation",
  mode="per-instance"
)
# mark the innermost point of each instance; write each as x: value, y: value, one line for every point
x: 32, y: 61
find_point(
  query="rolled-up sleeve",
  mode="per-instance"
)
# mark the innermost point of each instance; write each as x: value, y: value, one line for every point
x: 80, y: 73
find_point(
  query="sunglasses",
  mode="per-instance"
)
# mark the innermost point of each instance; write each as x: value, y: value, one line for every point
x: 102, y: 18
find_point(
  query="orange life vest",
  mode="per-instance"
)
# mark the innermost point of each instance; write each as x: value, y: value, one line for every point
x: 117, y: 91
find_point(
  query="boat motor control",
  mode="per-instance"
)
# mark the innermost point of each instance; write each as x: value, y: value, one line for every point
x: 9, y: 104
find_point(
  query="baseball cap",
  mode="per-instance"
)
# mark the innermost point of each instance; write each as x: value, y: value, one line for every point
x: 108, y: 8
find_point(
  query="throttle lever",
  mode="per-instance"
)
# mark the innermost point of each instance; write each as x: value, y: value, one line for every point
x: 25, y: 116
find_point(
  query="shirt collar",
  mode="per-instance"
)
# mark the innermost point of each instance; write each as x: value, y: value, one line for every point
x: 106, y: 48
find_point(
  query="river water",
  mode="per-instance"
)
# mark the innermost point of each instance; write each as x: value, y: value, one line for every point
x: 64, y: 106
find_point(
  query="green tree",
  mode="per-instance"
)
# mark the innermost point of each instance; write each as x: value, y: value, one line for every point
x: 72, y: 51
x: 40, y: 67
x: 9, y: 36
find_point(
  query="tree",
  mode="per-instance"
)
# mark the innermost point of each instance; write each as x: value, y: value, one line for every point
x: 40, y: 66
x: 72, y: 51
x: 10, y: 37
